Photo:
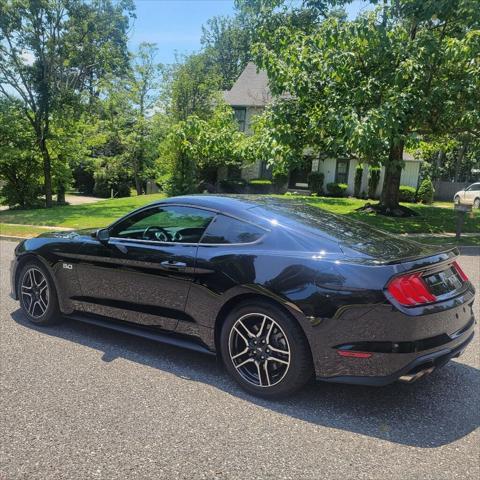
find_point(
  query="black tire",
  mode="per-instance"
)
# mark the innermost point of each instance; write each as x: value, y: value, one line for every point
x: 296, y: 374
x: 476, y: 203
x: 38, y: 314
x: 456, y: 200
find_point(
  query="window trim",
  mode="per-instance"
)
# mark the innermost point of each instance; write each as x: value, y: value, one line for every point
x: 216, y: 213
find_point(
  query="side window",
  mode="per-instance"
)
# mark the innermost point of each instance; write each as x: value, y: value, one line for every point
x: 475, y: 187
x: 165, y: 224
x: 229, y: 230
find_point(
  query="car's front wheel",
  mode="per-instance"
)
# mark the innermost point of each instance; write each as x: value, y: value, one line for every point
x: 265, y: 350
x: 37, y: 294
x: 456, y: 200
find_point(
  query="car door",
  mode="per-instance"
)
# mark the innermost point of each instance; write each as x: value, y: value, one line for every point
x: 142, y: 274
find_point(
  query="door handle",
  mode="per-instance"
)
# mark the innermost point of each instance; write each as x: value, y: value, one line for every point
x: 173, y: 265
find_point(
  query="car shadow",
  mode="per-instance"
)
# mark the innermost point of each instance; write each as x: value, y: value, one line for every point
x: 435, y: 411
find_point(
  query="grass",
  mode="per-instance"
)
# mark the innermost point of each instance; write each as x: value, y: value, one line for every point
x: 435, y: 219
x: 21, y: 230
x: 98, y: 214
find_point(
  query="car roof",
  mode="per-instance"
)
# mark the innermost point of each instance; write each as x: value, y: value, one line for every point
x: 230, y: 204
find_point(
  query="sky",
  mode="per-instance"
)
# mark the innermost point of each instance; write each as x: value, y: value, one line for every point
x: 176, y: 25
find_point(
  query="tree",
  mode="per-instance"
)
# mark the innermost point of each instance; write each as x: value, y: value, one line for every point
x: 227, y: 45
x: 195, y: 144
x: 20, y: 166
x: 53, y: 50
x: 408, y: 68
x: 193, y: 87
x: 143, y: 93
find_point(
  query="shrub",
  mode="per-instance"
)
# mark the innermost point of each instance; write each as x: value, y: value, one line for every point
x: 280, y: 181
x: 315, y: 182
x: 337, y: 189
x: 373, y: 179
x: 260, y: 185
x: 230, y: 185
x: 407, y: 194
x: 358, y: 181
x: 426, y: 191
x: 83, y: 177
x: 105, y: 182
x: 21, y: 181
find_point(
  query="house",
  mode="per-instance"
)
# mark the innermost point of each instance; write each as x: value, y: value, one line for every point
x: 249, y: 95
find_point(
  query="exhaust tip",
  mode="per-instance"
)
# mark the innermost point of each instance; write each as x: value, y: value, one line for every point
x: 414, y: 376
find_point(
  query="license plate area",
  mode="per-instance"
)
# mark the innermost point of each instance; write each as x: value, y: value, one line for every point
x: 444, y: 282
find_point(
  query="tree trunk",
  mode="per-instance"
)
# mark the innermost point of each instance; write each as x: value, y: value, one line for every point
x: 47, y: 173
x: 61, y: 195
x: 458, y: 162
x: 138, y: 184
x: 390, y: 196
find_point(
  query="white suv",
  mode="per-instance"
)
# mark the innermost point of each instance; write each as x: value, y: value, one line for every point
x: 469, y: 195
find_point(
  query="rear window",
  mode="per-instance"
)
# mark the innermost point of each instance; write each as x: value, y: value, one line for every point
x: 226, y: 230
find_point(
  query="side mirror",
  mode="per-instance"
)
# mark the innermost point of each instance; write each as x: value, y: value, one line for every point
x: 102, y: 235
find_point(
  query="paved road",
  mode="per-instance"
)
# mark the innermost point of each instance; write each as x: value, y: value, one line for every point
x: 81, y: 402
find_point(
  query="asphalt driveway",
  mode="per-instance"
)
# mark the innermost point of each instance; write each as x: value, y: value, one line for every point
x: 81, y: 402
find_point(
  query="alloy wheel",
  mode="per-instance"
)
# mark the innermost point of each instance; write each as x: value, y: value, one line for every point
x: 35, y: 293
x: 259, y: 349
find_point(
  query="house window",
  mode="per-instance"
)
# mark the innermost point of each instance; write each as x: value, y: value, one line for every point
x: 240, y: 117
x: 341, y: 171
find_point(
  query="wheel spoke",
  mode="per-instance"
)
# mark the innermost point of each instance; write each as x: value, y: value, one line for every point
x: 31, y: 277
x: 260, y: 330
x: 259, y: 374
x: 278, y: 350
x: 267, y: 376
x: 241, y: 335
x: 243, y: 352
x: 31, y: 307
x: 279, y: 360
x: 248, y: 332
x: 42, y: 305
x: 248, y: 360
x: 270, y: 332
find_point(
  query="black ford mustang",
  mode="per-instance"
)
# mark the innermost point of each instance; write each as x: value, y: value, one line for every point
x: 281, y: 290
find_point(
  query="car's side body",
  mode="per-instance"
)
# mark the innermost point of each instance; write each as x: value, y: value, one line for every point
x: 331, y: 280
x: 469, y: 195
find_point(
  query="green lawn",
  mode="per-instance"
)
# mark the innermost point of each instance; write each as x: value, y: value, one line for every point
x: 431, y: 219
x: 98, y: 214
x: 439, y: 218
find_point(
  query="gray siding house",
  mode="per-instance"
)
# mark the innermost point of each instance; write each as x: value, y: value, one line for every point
x: 249, y: 96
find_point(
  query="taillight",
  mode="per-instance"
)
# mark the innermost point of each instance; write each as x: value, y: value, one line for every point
x: 410, y: 290
x: 460, y: 272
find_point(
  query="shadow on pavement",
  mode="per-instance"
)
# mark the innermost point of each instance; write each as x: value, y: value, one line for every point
x: 433, y: 412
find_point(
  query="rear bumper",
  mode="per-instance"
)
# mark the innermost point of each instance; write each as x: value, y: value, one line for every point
x: 398, y: 344
x: 415, y: 369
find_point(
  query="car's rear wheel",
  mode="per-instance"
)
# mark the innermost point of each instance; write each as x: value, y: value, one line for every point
x: 265, y: 350
x: 476, y: 203
x: 37, y: 294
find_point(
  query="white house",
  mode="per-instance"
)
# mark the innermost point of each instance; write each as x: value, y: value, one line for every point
x: 248, y: 97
